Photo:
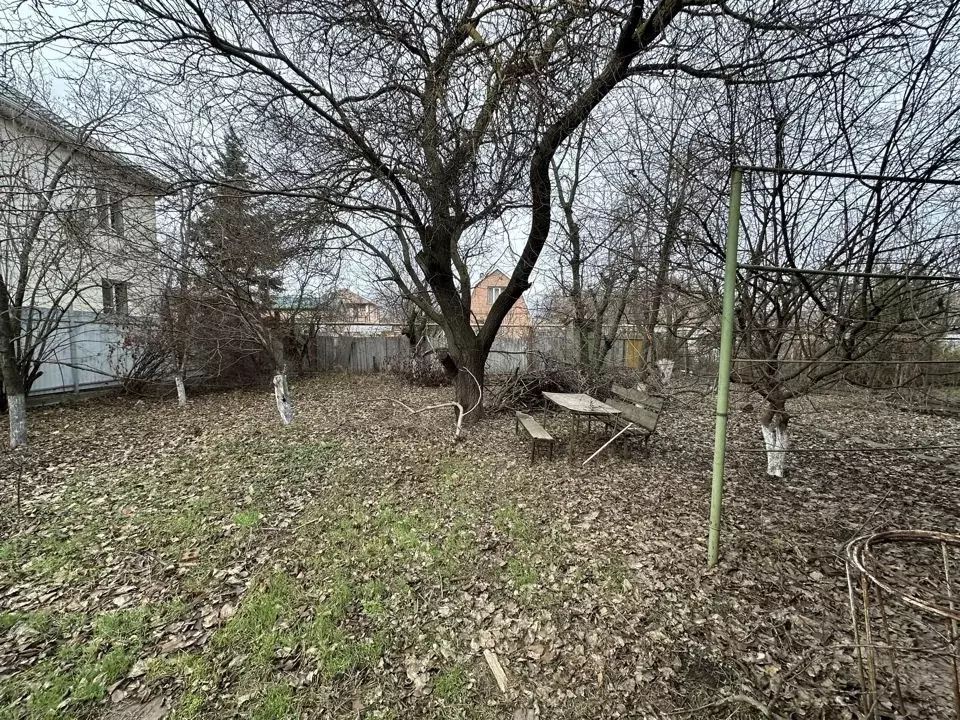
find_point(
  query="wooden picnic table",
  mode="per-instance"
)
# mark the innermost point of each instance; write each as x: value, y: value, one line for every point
x: 579, y: 405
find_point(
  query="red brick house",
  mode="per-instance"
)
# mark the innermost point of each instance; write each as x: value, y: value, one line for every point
x: 517, y: 323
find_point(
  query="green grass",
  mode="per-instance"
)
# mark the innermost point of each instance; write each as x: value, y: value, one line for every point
x: 189, y: 707
x: 124, y: 628
x: 254, y: 630
x: 454, y: 473
x: 60, y: 559
x: 193, y: 671
x: 77, y: 676
x: 281, y: 616
x: 372, y: 595
x: 10, y: 556
x: 509, y: 520
x: 521, y: 572
x: 451, y: 684
x: 71, y: 682
x: 246, y: 518
x: 184, y: 524
x: 384, y: 537
x: 277, y: 703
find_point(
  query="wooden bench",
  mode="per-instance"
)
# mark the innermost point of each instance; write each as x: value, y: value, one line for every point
x: 538, y: 435
x: 636, y: 408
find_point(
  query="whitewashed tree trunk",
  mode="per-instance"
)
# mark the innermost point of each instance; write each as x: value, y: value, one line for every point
x: 17, y: 409
x: 181, y: 390
x: 284, y: 402
x: 666, y: 371
x: 776, y: 441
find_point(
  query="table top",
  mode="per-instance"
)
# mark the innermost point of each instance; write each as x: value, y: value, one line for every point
x: 580, y: 403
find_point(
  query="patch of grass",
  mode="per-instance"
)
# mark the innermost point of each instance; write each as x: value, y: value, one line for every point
x: 450, y: 684
x: 77, y: 678
x: 187, y: 523
x: 614, y: 574
x: 164, y: 667
x: 9, y: 619
x: 521, y: 572
x: 10, y: 556
x: 277, y: 703
x: 325, y: 638
x: 124, y: 628
x: 246, y: 518
x: 305, y: 456
x: 59, y: 558
x: 344, y: 655
x: 189, y: 707
x: 509, y: 520
x: 278, y: 616
x: 80, y: 673
x: 254, y: 629
x: 453, y: 472
x: 267, y: 458
x: 193, y: 670
x: 45, y: 622
x: 384, y: 536
x: 372, y: 594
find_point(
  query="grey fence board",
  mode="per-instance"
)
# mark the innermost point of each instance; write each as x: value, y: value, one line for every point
x: 84, y: 352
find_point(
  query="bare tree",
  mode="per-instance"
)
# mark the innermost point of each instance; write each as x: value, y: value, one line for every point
x: 857, y: 255
x: 598, y: 250
x: 426, y: 122
x: 67, y: 209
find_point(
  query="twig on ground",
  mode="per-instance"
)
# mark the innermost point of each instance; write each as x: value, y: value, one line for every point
x: 603, y: 447
x: 460, y: 412
x: 745, y: 699
x: 497, y: 670
x: 416, y: 411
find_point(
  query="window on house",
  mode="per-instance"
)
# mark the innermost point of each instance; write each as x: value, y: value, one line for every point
x: 116, y: 213
x: 103, y: 208
x: 492, y: 294
x: 115, y: 297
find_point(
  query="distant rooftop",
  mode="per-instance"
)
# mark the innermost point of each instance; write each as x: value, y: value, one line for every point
x: 297, y: 302
x: 292, y: 301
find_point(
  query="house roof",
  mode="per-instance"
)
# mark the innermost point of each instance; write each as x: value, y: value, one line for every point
x: 498, y: 274
x: 297, y: 302
x: 30, y: 112
x: 348, y: 297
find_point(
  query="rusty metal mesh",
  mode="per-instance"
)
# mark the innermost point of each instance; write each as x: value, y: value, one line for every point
x: 905, y: 610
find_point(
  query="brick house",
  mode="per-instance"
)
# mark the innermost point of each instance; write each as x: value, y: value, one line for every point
x: 517, y: 323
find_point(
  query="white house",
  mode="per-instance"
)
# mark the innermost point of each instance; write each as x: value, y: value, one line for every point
x: 77, y: 230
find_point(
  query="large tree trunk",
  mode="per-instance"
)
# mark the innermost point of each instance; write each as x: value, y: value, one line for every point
x: 281, y: 392
x: 774, y: 422
x: 181, y: 390
x: 16, y: 400
x: 468, y: 384
x: 465, y: 367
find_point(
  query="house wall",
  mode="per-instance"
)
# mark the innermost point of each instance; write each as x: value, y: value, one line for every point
x: 74, y: 249
x: 363, y: 313
x: 517, y: 323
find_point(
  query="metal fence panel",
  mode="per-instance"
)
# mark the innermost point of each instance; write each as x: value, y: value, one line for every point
x: 84, y: 352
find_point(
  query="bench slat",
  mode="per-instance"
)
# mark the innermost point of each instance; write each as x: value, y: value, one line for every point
x: 632, y: 395
x: 535, y: 429
x: 639, y: 416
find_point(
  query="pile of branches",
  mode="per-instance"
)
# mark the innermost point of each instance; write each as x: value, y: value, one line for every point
x: 523, y: 389
x: 418, y: 368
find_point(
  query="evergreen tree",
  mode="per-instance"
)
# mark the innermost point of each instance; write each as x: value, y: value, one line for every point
x: 237, y: 236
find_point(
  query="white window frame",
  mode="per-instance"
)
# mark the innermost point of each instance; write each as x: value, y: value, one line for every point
x: 116, y: 296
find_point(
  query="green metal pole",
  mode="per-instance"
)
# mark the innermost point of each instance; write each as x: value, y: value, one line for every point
x: 726, y: 355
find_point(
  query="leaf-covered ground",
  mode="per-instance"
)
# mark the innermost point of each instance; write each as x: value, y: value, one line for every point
x: 209, y: 563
